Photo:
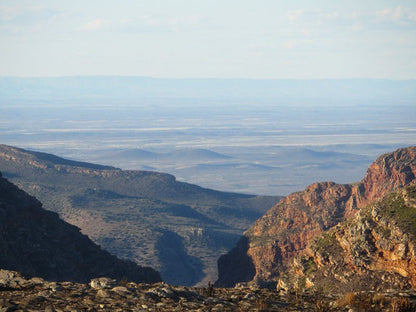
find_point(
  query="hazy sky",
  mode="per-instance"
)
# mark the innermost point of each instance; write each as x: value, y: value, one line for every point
x: 207, y: 38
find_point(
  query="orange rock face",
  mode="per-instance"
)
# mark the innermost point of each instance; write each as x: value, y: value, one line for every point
x: 376, y: 249
x: 389, y: 172
x: 287, y: 229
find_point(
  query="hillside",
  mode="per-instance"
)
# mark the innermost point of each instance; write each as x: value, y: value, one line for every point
x: 268, y: 248
x: 37, y: 243
x: 148, y: 217
x: 374, y: 250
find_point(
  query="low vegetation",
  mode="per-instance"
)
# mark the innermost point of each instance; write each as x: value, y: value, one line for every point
x: 376, y: 302
x: 402, y: 211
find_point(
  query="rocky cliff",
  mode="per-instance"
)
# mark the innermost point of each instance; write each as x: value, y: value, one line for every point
x: 37, y: 243
x: 287, y: 229
x: 374, y: 250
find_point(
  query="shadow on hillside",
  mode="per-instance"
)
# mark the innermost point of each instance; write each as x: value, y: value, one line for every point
x: 231, y: 271
x: 178, y: 268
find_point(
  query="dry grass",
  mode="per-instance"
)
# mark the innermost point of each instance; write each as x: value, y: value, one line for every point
x: 375, y: 302
x: 261, y: 304
x: 347, y: 300
x: 360, y: 301
x: 402, y: 305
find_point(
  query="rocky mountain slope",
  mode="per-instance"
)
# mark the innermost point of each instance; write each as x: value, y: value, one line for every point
x: 178, y: 228
x: 374, y: 250
x: 268, y: 248
x: 36, y: 242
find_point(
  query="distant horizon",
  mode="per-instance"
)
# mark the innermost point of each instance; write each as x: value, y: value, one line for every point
x: 114, y: 89
x: 203, y: 78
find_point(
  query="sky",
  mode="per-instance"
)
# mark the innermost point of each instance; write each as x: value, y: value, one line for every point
x: 276, y: 39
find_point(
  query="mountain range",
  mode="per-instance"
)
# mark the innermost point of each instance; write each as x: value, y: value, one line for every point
x: 179, y: 229
x: 331, y: 247
x: 344, y: 237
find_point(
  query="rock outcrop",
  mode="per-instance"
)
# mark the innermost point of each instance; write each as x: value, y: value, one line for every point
x: 374, y: 250
x: 37, y: 243
x: 288, y: 228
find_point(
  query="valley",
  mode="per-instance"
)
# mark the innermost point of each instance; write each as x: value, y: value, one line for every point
x: 179, y: 229
x: 266, y: 139
x: 208, y: 156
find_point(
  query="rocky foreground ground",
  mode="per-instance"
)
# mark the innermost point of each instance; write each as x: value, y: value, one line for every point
x: 103, y: 294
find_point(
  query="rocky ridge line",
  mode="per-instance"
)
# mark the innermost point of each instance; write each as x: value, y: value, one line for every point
x: 288, y: 228
x: 374, y: 250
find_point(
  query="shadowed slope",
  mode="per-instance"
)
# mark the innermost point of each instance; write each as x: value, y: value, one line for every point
x: 37, y: 243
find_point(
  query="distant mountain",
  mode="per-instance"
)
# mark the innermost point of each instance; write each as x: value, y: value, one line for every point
x: 131, y: 154
x: 177, y: 155
x: 195, y: 154
x: 234, y: 165
x: 144, y: 216
x: 37, y: 243
x: 298, y: 155
x: 267, y: 250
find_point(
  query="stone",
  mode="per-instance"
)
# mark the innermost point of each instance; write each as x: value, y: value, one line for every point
x: 162, y: 292
x: 121, y: 290
x: 103, y: 293
x: 281, y: 286
x: 103, y: 283
x: 37, y: 281
x: 11, y: 279
x: 250, y: 296
x: 54, y: 287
